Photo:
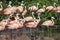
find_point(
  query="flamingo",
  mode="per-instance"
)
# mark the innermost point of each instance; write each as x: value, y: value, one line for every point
x: 24, y: 12
x: 13, y: 9
x: 6, y: 11
x: 49, y: 8
x: 13, y: 25
x: 32, y: 24
x: 49, y: 22
x: 40, y: 11
x: 57, y: 9
x: 9, y: 11
x: 32, y: 8
x: 16, y: 23
x: 3, y: 24
x: 29, y: 18
x: 20, y: 8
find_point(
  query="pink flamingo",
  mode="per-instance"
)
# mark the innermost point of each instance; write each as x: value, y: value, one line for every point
x: 3, y: 24
x: 20, y: 8
x: 32, y: 24
x: 14, y: 24
x: 40, y: 11
x: 32, y: 8
x: 9, y: 11
x: 29, y: 18
x: 57, y: 9
x: 49, y: 8
x: 49, y: 22
x: 24, y: 12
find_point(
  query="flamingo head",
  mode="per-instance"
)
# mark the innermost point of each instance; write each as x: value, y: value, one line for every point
x: 52, y: 18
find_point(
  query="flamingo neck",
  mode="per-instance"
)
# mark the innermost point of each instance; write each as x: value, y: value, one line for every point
x: 39, y: 15
x: 37, y: 6
x: 1, y: 6
x: 23, y: 16
x: 33, y: 15
x: 52, y: 20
